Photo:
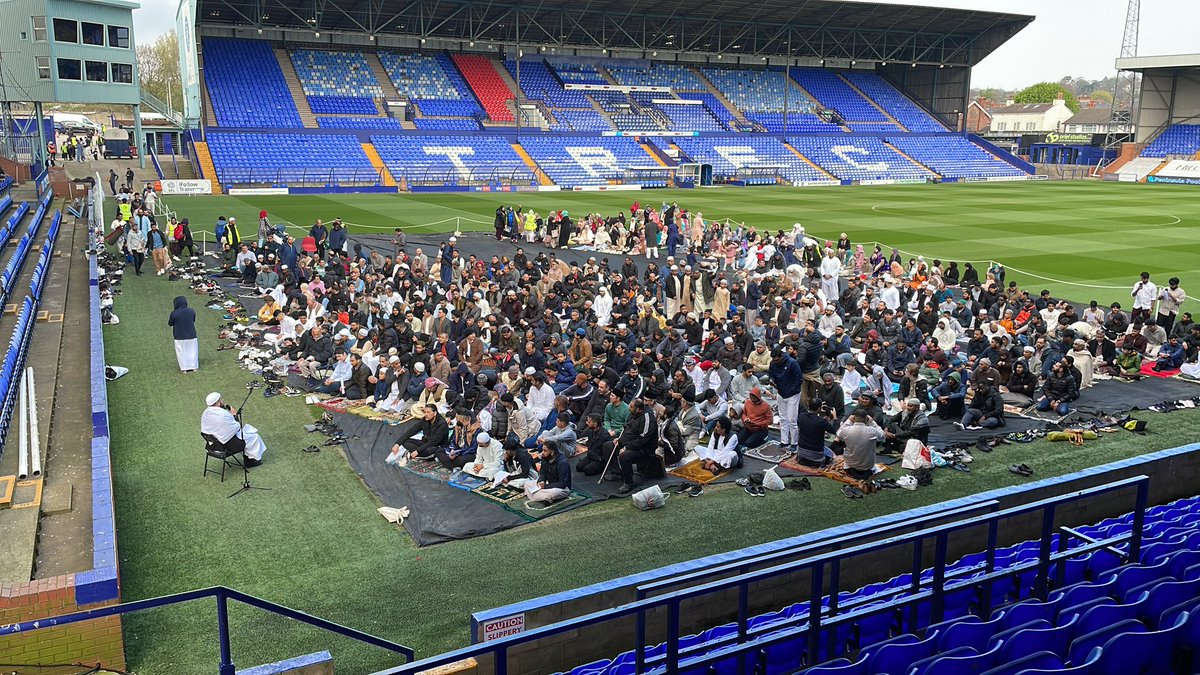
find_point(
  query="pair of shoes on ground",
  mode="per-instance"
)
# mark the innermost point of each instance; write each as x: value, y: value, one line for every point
x: 800, y: 483
x: 1021, y: 470
x: 852, y: 492
x: 691, y: 490
x: 756, y: 490
x: 626, y: 488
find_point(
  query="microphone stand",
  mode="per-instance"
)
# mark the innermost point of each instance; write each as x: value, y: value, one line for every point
x: 250, y: 387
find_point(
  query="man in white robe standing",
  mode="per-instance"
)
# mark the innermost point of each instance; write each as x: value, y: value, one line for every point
x: 831, y: 268
x: 183, y: 327
x: 221, y: 423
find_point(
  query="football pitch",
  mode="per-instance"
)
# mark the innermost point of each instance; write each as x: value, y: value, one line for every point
x: 1082, y: 240
x: 315, y: 542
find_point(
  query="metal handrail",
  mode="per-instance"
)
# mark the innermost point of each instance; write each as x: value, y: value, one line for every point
x: 222, y: 596
x: 816, y: 565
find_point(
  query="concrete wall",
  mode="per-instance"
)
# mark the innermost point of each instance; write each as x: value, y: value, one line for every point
x: 1174, y: 474
x: 100, y: 640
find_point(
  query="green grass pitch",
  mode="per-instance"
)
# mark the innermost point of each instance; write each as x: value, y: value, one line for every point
x: 315, y: 542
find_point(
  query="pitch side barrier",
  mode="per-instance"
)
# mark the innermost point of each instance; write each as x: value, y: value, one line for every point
x: 824, y: 574
x: 1175, y: 472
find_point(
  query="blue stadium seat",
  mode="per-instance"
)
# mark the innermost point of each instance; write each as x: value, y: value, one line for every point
x: 246, y: 85
x: 922, y: 666
x: 1082, y: 646
x: 1149, y: 653
x: 1087, y: 667
x: 424, y: 79
x: 451, y: 159
x: 857, y: 158
x: 1026, y: 641
x: 289, y: 158
x: 839, y: 667
x: 590, y: 160
x: 899, y: 106
x: 954, y: 156
x: 895, y: 655
x: 970, y: 634
x: 1177, y: 139
x: 729, y: 154
x: 372, y: 123
x: 967, y: 664
x: 1040, y: 660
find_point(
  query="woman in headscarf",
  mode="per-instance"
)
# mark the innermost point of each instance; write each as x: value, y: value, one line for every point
x: 843, y: 248
x: 879, y: 386
x: 879, y: 265
x: 602, y: 305
x: 565, y: 229
x: 859, y: 262
x: 969, y: 276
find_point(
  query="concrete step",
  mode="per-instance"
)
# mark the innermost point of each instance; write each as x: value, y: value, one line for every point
x: 296, y: 88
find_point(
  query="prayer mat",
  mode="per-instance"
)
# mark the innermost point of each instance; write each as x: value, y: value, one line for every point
x: 429, y: 468
x: 835, y: 472
x: 500, y: 493
x: 337, y: 404
x: 365, y: 411
x: 532, y: 511
x: 1148, y: 370
x: 692, y: 471
x: 770, y: 452
x: 465, y: 481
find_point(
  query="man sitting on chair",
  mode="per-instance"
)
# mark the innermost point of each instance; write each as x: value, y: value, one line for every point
x: 221, y: 422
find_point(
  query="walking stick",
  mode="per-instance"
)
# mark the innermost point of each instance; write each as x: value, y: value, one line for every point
x: 607, y: 464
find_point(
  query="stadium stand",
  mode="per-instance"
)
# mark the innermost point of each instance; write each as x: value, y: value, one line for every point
x: 737, y: 156
x: 648, y: 74
x: 690, y: 117
x: 577, y: 73
x: 305, y: 159
x: 538, y: 83
x: 953, y: 156
x: 369, y: 123
x: 755, y: 91
x: 447, y: 124
x: 337, y: 82
x: 1105, y: 617
x: 422, y: 77
x: 833, y: 92
x: 857, y: 158
x: 246, y: 85
x: 451, y: 159
x: 580, y: 120
x: 714, y: 106
x: 491, y: 90
x: 588, y: 161
x: 1177, y: 139
x: 912, y: 116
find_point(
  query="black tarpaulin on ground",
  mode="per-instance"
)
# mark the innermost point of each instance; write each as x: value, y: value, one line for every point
x: 439, y: 512
x: 943, y: 433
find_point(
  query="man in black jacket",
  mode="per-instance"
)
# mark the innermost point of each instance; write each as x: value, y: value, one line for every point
x: 436, y: 435
x: 986, y: 411
x: 313, y: 352
x: 183, y: 327
x: 637, y: 443
x: 554, y: 479
x: 599, y: 447
x: 358, y: 386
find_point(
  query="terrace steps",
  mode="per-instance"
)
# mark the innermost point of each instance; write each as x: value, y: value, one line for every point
x: 207, y: 169
x: 712, y: 89
x: 295, y: 88
x: 654, y: 154
x: 543, y: 179
x: 385, y: 176
x: 905, y: 155
x: 811, y: 163
x: 870, y: 100
x: 390, y: 93
x: 608, y: 77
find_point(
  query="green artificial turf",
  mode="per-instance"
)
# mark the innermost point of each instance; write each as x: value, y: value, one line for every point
x: 1094, y: 238
x: 315, y: 543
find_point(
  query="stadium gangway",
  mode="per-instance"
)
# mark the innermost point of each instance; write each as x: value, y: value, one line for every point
x: 817, y: 566
x: 222, y: 595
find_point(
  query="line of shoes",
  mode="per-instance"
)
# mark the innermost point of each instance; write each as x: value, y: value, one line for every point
x: 326, y: 426
x: 1170, y: 406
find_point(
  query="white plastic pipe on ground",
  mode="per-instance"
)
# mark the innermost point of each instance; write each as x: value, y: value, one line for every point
x: 35, y: 443
x: 23, y: 446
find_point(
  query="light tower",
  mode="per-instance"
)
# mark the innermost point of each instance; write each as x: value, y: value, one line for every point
x: 1121, y: 119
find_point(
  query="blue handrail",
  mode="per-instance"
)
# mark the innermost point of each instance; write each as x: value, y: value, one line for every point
x: 222, y: 596
x: 816, y: 566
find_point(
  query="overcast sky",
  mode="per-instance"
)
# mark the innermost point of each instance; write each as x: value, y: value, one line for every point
x: 1068, y: 37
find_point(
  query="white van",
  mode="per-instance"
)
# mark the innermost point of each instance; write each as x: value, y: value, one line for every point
x: 71, y: 123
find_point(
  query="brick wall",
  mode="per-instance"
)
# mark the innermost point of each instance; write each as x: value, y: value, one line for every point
x: 88, y: 642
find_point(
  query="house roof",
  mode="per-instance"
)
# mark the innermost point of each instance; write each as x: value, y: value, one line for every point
x: 982, y: 108
x: 1091, y: 116
x: 1023, y: 109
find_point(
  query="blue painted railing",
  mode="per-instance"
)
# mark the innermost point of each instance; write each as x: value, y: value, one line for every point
x: 222, y: 595
x: 825, y: 568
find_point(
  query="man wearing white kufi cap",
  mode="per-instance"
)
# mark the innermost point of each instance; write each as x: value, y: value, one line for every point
x: 219, y: 421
